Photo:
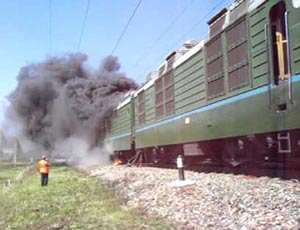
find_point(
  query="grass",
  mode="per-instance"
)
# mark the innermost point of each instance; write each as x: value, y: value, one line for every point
x: 70, y: 201
x: 9, y: 173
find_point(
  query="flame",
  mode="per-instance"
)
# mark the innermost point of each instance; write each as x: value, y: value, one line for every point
x: 118, y: 162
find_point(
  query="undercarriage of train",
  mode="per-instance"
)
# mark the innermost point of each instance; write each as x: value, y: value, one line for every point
x: 272, y: 154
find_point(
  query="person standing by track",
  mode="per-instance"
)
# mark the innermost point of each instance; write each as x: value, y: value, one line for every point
x: 43, y: 167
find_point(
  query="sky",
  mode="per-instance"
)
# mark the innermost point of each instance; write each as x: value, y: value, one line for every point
x: 32, y: 30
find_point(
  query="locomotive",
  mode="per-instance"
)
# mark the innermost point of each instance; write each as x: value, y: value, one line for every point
x: 228, y: 103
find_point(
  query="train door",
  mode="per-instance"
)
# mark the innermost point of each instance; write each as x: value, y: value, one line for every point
x: 282, y: 33
x: 280, y: 73
x: 279, y: 40
x: 280, y: 79
x: 278, y: 57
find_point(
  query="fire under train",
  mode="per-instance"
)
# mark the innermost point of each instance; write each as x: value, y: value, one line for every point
x: 229, y: 103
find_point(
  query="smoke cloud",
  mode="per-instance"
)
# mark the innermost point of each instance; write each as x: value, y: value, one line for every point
x: 61, y: 104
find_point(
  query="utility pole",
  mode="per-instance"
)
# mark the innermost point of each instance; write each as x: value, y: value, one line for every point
x: 16, y: 148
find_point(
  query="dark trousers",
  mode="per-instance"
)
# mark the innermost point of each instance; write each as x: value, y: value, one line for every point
x: 44, y: 177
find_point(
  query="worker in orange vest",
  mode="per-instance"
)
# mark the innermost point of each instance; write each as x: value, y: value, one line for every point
x: 43, y: 167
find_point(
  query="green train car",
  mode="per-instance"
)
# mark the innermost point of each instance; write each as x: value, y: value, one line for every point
x: 230, y: 103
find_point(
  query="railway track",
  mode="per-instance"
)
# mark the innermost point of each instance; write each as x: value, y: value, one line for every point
x: 272, y: 172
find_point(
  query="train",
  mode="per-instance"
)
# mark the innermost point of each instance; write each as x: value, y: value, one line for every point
x: 228, y: 103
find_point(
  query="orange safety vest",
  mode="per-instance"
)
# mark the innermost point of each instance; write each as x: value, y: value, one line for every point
x: 43, y: 166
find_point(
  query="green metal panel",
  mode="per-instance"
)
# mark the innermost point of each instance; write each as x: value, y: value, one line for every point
x: 188, y: 107
x: 192, y: 61
x: 193, y: 69
x: 147, y: 138
x: 190, y: 95
x: 189, y: 87
x: 122, y: 127
x: 122, y: 143
x: 259, y: 63
x: 115, y: 126
x: 293, y: 111
x: 228, y: 120
x: 235, y: 118
x: 121, y: 123
x: 197, y: 83
x: 186, y: 80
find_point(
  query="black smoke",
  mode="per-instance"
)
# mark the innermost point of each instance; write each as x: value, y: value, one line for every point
x: 60, y: 98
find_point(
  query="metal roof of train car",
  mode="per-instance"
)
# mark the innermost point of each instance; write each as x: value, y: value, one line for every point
x: 189, y: 54
x: 253, y: 4
x: 125, y: 100
x: 185, y: 51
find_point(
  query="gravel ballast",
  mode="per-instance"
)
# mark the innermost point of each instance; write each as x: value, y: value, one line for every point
x: 207, y: 200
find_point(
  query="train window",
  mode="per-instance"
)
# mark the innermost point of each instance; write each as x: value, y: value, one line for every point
x: 164, y: 95
x: 142, y: 118
x: 159, y: 98
x: 170, y: 107
x: 169, y: 100
x: 217, y: 22
x: 168, y: 80
x: 237, y: 56
x: 279, y: 42
x: 159, y: 111
x: 214, y: 68
x: 214, y: 48
x: 169, y: 93
x: 141, y: 96
x: 141, y: 108
x: 158, y: 85
x: 239, y: 9
x: 216, y: 87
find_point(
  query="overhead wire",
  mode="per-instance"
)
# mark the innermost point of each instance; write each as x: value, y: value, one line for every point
x: 145, y: 71
x: 173, y: 22
x: 125, y: 28
x: 121, y: 35
x: 83, y: 24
